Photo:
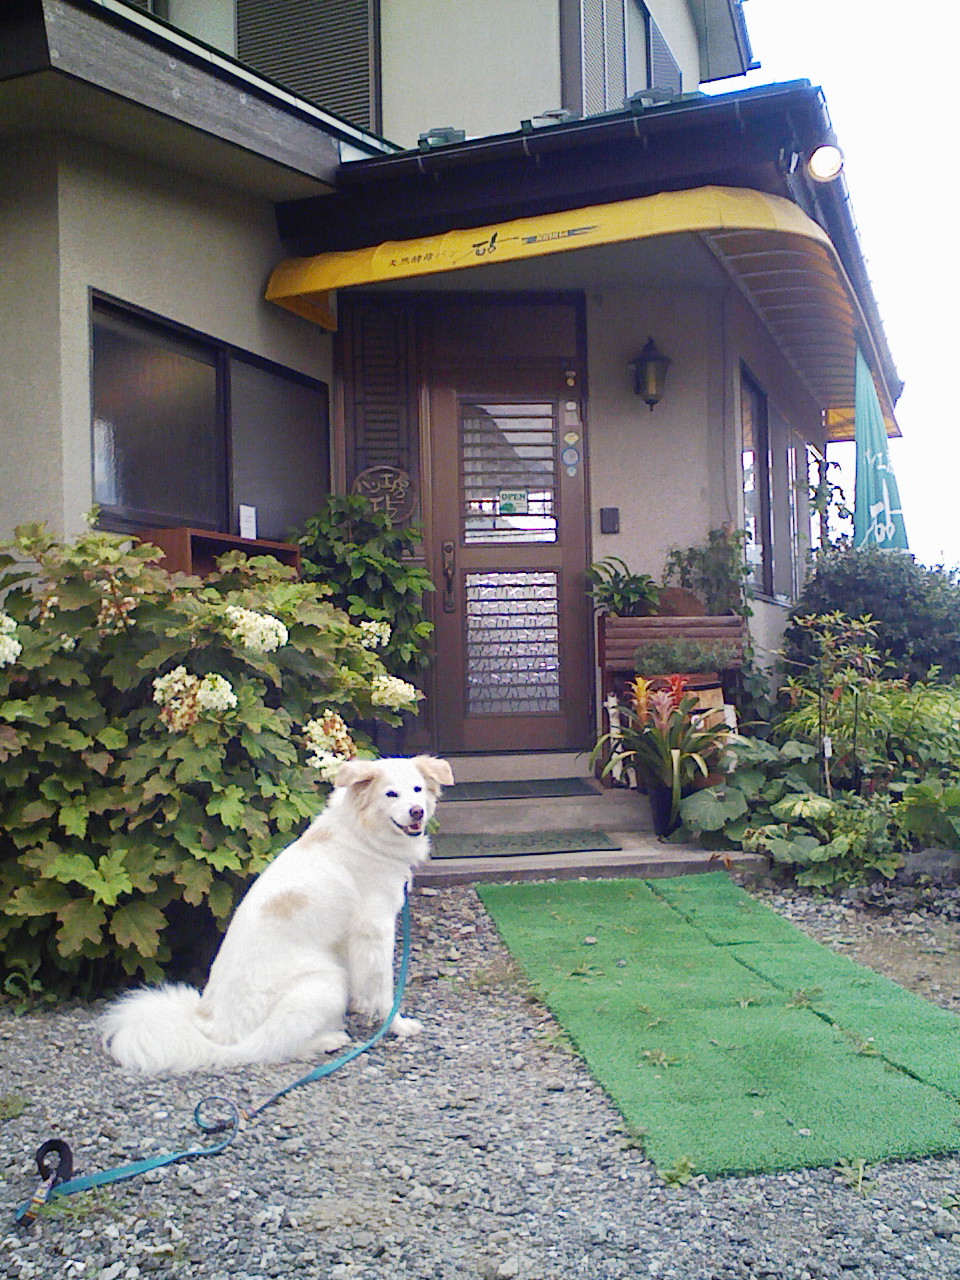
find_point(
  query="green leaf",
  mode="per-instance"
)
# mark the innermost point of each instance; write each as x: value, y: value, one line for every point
x: 112, y: 738
x: 138, y: 925
x: 713, y: 807
x: 38, y: 899
x: 80, y: 921
x: 73, y: 817
x: 230, y: 804
x: 220, y: 900
x: 196, y: 879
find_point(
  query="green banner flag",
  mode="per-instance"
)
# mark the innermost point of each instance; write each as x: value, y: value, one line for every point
x: 877, y: 517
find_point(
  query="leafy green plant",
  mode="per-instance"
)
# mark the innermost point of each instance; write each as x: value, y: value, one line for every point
x: 663, y: 737
x: 368, y: 565
x: 160, y: 739
x: 853, y: 1173
x: 877, y: 727
x: 827, y: 842
x: 660, y: 657
x: 757, y: 775
x: 618, y: 591
x: 916, y: 610
x: 679, y: 1175
x: 928, y: 813
x: 715, y: 570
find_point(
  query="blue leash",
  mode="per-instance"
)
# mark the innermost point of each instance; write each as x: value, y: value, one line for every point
x: 55, y: 1159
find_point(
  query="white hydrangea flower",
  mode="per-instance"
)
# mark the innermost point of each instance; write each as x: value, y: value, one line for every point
x: 391, y: 691
x: 10, y: 649
x: 258, y: 631
x: 177, y: 692
x: 216, y: 694
x: 326, y: 764
x: 374, y: 634
x: 329, y: 744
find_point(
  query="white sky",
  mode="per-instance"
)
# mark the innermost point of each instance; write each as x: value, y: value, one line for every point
x: 886, y: 71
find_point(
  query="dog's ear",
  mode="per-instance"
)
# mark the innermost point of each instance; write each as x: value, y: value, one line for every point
x: 437, y: 772
x: 354, y: 772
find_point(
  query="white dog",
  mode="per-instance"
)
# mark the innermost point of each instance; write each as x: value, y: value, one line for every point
x: 313, y: 937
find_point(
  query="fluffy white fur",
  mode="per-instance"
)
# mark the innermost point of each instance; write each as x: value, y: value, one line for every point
x: 312, y: 938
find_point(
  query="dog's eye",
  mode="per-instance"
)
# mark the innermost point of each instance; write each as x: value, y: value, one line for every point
x: 392, y: 795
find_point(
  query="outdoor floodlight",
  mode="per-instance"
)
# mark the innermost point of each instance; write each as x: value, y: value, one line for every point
x: 825, y: 163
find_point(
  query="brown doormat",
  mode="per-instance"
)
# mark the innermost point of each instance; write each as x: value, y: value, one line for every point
x: 519, y: 843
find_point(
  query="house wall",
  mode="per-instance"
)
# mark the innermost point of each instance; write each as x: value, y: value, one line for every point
x: 212, y: 21
x: 30, y: 420
x: 481, y: 68
x: 196, y: 255
x: 674, y: 471
x: 676, y: 25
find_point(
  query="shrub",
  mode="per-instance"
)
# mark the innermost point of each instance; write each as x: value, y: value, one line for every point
x: 617, y: 590
x: 366, y: 562
x: 160, y: 739
x: 663, y: 657
x: 916, y: 609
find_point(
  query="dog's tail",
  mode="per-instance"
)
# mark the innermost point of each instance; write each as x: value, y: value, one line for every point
x: 156, y: 1029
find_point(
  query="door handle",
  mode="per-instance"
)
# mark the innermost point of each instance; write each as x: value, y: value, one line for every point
x: 448, y: 562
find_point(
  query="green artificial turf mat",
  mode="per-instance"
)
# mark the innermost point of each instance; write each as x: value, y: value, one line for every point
x: 724, y: 1035
x: 510, y: 844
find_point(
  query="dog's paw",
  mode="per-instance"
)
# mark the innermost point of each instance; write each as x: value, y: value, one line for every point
x: 404, y: 1027
x: 330, y: 1042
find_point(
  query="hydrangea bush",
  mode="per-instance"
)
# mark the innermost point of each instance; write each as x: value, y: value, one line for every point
x: 161, y: 738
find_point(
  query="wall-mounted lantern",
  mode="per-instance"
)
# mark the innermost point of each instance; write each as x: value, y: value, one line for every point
x: 650, y: 374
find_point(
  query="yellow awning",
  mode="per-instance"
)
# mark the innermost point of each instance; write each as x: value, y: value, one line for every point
x: 784, y: 263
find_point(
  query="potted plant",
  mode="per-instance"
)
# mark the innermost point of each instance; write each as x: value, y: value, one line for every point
x: 664, y: 739
x: 619, y: 592
x: 715, y: 571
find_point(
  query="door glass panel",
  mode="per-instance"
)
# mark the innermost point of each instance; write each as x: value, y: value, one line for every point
x: 508, y: 469
x: 513, y: 643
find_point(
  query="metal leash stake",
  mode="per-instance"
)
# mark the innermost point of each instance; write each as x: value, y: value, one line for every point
x: 58, y: 1182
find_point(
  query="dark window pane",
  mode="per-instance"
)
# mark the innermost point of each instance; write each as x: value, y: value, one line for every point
x: 157, y: 443
x: 279, y: 448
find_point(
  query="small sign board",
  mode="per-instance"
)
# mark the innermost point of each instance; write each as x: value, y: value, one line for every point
x: 513, y: 502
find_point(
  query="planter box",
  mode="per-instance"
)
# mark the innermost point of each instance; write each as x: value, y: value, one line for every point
x: 619, y: 638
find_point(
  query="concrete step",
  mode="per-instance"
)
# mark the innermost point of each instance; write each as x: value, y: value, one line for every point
x: 642, y: 855
x: 608, y: 810
x: 521, y: 764
x: 622, y: 814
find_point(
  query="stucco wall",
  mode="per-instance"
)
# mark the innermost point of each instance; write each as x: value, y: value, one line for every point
x: 663, y: 467
x: 481, y: 68
x: 674, y: 472
x: 191, y: 253
x: 30, y: 423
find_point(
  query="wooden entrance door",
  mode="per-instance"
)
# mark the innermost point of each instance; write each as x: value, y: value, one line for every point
x: 509, y: 553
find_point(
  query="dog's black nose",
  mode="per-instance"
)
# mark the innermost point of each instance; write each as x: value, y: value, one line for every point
x: 416, y: 813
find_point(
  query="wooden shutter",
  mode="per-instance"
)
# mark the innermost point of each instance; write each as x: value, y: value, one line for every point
x: 378, y: 372
x: 324, y: 50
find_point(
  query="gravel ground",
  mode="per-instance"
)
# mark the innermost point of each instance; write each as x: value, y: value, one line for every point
x: 480, y: 1149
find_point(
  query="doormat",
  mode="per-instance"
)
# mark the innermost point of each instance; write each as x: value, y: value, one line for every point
x: 522, y: 789
x: 730, y: 1041
x: 514, y: 843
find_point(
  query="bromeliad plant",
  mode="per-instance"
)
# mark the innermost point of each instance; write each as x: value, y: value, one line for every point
x: 161, y: 737
x: 662, y: 736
